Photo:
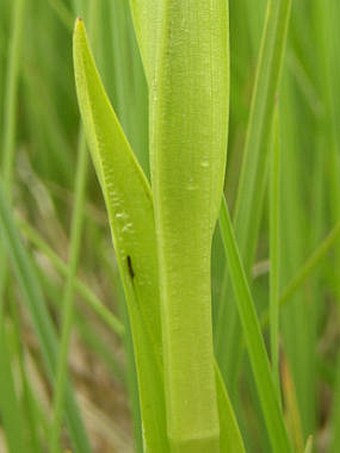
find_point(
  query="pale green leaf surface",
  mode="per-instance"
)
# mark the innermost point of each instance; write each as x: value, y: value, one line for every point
x: 189, y: 105
x: 129, y: 204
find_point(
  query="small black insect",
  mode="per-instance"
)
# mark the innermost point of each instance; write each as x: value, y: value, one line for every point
x: 129, y: 263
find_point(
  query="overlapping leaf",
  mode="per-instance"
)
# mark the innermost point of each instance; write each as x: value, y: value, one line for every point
x: 129, y: 205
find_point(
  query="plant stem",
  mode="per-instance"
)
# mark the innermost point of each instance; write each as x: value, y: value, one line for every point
x: 189, y: 115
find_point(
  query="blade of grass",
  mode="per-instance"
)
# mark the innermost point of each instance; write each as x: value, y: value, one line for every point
x: 11, y: 92
x: 292, y: 409
x: 253, y: 338
x: 96, y: 305
x: 230, y: 437
x: 250, y: 193
x: 274, y: 246
x: 310, y: 264
x: 32, y: 423
x: 64, y: 14
x: 299, y: 324
x: 335, y: 444
x: 306, y: 270
x: 129, y: 204
x: 129, y: 89
x: 68, y: 295
x: 252, y: 182
x: 10, y: 409
x: 43, y: 326
x: 10, y: 111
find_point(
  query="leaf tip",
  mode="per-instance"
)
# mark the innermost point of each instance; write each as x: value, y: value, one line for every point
x: 79, y: 25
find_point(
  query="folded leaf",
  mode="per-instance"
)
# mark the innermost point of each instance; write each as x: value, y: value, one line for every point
x: 129, y: 205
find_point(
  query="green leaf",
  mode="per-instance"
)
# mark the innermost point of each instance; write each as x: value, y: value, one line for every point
x: 254, y: 340
x: 189, y: 113
x: 10, y: 407
x: 230, y: 437
x: 129, y: 204
x: 253, y: 178
x: 274, y: 246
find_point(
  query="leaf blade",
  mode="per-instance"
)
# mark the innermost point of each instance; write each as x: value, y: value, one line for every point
x: 129, y: 204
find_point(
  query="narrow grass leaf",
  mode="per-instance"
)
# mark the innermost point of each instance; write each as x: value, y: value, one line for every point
x: 306, y: 270
x: 274, y: 247
x: 10, y: 408
x: 310, y: 264
x: 252, y: 183
x: 230, y: 437
x: 42, y: 323
x: 293, y: 418
x: 68, y: 295
x: 253, y: 338
x: 335, y: 420
x: 252, y: 179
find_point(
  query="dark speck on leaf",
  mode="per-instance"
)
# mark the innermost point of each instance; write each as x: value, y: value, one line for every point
x: 129, y: 263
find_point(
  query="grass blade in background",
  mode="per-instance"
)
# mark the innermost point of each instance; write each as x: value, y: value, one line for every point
x: 68, y: 299
x: 9, y: 401
x: 114, y: 324
x: 129, y: 90
x: 274, y: 239
x: 230, y: 435
x: 68, y: 295
x: 252, y: 181
x: 10, y: 408
x: 11, y: 93
x: 335, y: 443
x: 41, y: 320
x: 254, y: 340
x: 129, y: 204
x: 249, y: 201
x: 9, y: 118
x: 310, y: 264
